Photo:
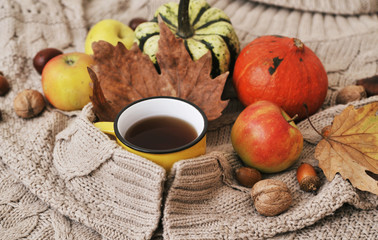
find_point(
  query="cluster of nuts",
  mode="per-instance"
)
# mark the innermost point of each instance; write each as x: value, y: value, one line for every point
x: 272, y: 196
x: 28, y: 103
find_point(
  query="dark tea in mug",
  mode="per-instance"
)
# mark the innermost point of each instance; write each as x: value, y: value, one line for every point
x: 161, y: 133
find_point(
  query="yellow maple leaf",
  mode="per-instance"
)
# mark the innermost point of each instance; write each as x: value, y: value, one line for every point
x: 351, y: 147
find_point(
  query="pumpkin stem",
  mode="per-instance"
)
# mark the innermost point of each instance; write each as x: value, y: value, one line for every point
x: 184, y: 29
x: 298, y: 43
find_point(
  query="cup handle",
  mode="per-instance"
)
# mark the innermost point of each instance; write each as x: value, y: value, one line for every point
x: 105, y: 127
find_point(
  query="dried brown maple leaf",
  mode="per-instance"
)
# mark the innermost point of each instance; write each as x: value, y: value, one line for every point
x: 121, y: 76
x: 351, y: 147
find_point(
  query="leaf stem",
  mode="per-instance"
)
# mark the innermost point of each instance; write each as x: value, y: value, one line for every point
x: 308, y: 118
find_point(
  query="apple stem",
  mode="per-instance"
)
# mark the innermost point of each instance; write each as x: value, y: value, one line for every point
x: 293, y: 118
x: 70, y: 62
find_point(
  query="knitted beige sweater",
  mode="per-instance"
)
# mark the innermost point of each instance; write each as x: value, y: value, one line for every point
x: 61, y: 178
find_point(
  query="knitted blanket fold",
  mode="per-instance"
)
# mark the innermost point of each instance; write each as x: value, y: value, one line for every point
x: 88, y: 178
x: 205, y: 201
x: 61, y: 178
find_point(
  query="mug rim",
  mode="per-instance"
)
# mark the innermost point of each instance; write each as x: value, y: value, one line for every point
x: 165, y: 151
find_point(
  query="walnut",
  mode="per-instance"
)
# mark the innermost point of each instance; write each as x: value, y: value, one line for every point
x: 350, y: 93
x: 28, y: 103
x: 271, y: 197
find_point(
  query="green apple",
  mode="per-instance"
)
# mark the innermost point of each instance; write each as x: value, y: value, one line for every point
x: 111, y: 31
x: 66, y: 81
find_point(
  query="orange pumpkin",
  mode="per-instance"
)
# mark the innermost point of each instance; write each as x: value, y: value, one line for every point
x: 281, y: 70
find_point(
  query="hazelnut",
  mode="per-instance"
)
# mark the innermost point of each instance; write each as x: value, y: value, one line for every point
x: 43, y: 56
x: 28, y: 103
x: 370, y: 84
x: 247, y: 176
x: 350, y: 93
x: 134, y: 23
x: 4, y: 85
x: 271, y: 197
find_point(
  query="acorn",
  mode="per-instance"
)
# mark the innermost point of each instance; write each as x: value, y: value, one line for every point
x: 307, y: 178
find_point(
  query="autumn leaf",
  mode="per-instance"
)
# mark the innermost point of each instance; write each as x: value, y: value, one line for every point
x: 122, y: 76
x: 351, y: 147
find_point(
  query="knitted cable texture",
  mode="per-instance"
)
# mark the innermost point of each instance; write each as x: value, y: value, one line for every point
x: 26, y: 28
x: 344, y: 7
x: 61, y: 178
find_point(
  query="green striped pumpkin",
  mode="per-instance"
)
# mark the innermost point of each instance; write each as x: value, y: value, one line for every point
x: 202, y: 27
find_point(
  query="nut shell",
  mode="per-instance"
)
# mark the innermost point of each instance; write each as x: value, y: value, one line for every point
x: 247, y: 177
x: 28, y: 103
x: 310, y: 183
x: 43, y: 56
x: 307, y: 178
x: 134, y: 23
x: 271, y: 197
x: 350, y: 93
x: 4, y: 85
x: 370, y: 84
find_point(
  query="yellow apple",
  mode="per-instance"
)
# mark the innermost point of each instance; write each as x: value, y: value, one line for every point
x: 66, y: 81
x: 111, y: 31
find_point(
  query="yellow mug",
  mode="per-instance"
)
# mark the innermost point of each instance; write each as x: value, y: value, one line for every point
x: 148, y: 108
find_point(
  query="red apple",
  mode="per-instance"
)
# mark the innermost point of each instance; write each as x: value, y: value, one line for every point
x: 66, y: 81
x: 266, y: 138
